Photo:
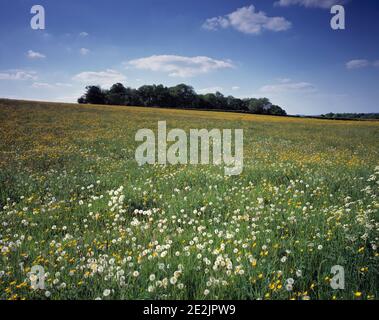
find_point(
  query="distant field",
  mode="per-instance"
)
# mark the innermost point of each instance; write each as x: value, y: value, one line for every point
x: 74, y: 201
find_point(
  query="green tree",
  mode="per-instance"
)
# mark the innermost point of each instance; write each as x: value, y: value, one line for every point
x: 117, y: 95
x: 184, y: 96
x: 94, y: 95
x: 180, y: 96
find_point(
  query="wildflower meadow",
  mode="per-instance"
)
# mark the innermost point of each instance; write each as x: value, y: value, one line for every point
x: 74, y: 201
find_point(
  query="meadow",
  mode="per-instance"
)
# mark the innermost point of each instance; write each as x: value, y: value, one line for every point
x: 74, y: 201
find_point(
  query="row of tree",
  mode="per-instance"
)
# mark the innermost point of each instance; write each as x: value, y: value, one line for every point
x: 363, y: 116
x: 180, y: 96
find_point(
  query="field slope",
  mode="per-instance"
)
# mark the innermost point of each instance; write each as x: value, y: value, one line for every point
x: 74, y: 201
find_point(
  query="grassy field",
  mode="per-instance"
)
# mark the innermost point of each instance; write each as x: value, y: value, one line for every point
x: 74, y: 201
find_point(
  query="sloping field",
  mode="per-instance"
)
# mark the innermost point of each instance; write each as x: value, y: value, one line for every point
x: 74, y: 201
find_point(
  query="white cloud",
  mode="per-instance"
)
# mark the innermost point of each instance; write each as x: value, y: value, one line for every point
x: 60, y: 84
x: 210, y: 90
x: 216, y: 23
x: 84, y: 51
x: 361, y: 63
x: 179, y: 66
x: 18, y: 75
x: 83, y: 34
x: 42, y: 85
x: 235, y: 88
x: 357, y: 64
x: 248, y: 20
x: 45, y: 85
x: 35, y: 55
x: 286, y: 85
x: 325, y: 4
x: 103, y: 78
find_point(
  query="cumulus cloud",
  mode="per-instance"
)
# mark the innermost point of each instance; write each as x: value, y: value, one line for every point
x: 83, y: 34
x: 84, y: 51
x: 357, y: 64
x: 179, y: 66
x: 361, y: 63
x: 249, y: 21
x: 18, y: 75
x: 35, y: 55
x: 286, y: 85
x: 325, y: 4
x: 103, y: 78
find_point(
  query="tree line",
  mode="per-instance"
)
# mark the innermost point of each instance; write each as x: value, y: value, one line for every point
x: 180, y: 96
x: 362, y: 116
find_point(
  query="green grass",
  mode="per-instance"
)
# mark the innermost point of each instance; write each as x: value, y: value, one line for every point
x: 308, y: 192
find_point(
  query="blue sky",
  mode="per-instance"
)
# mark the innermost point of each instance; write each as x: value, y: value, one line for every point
x: 285, y: 51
